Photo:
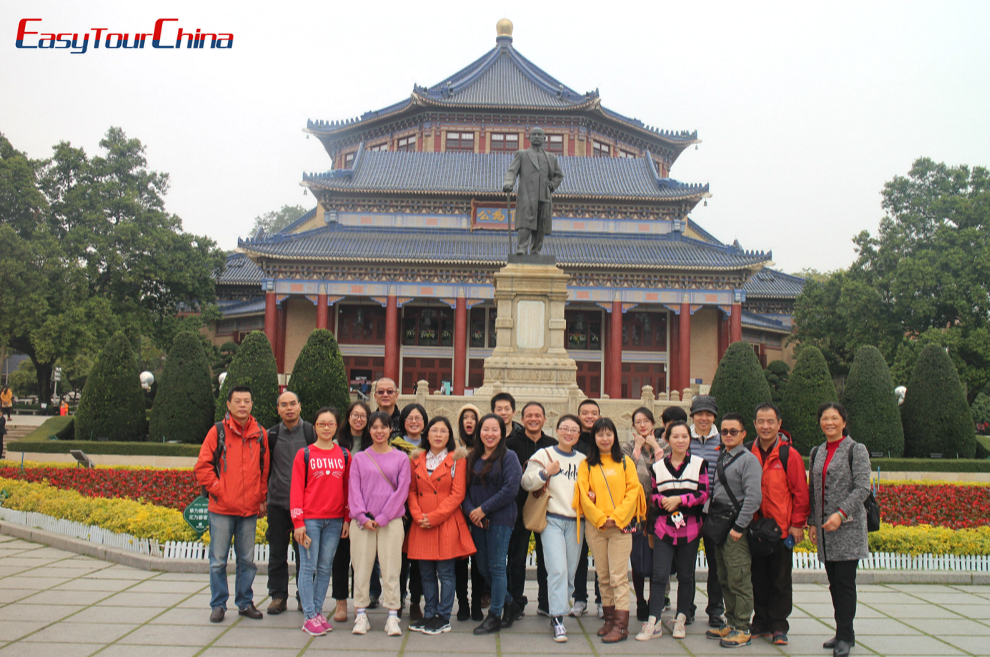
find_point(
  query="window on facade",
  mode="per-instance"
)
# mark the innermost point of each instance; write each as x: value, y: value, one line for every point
x: 589, y: 377
x: 379, y: 147
x: 598, y: 149
x: 348, y: 160
x: 428, y: 327
x: 555, y: 144
x: 361, y: 369
x: 504, y: 143
x: 479, y: 322
x: 642, y: 331
x: 492, y: 333
x: 406, y: 143
x: 460, y: 141
x: 661, y: 170
x: 360, y: 324
x: 623, y: 153
x: 432, y: 370
x: 476, y: 372
x: 584, y: 329
x: 637, y: 375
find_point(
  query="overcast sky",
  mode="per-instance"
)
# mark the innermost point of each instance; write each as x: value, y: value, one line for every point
x: 804, y: 109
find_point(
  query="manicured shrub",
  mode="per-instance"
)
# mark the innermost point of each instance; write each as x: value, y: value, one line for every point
x: 184, y: 405
x: 936, y: 416
x: 874, y: 418
x: 253, y: 366
x: 112, y: 403
x: 739, y: 384
x: 807, y: 388
x: 777, y: 373
x: 318, y: 376
x: 91, y: 447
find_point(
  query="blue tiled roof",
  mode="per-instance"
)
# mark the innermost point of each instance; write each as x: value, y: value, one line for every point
x: 253, y: 306
x: 482, y: 173
x: 240, y: 270
x: 437, y: 246
x: 753, y: 320
x: 770, y: 283
x: 705, y: 235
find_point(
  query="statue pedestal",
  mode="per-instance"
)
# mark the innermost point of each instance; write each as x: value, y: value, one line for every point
x: 530, y: 361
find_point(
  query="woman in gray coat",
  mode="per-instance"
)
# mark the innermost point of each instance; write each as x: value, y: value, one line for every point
x: 839, y: 484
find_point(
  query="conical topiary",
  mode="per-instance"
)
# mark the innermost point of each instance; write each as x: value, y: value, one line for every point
x: 808, y: 387
x: 739, y: 385
x: 112, y: 403
x: 936, y: 418
x: 318, y: 376
x: 874, y: 418
x: 184, y: 406
x: 776, y: 373
x: 253, y: 366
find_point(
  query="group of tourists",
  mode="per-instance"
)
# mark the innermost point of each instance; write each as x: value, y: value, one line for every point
x: 448, y: 511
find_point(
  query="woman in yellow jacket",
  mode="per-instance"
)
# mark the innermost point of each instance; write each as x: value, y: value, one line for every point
x: 611, y: 498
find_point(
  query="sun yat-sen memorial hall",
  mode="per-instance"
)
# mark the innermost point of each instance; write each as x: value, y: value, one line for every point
x: 398, y: 256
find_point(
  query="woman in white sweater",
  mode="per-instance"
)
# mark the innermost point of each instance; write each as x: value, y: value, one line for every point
x: 556, y: 469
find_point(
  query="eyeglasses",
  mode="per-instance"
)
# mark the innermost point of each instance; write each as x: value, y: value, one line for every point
x: 731, y: 432
x: 325, y: 425
x: 568, y: 430
x: 385, y: 393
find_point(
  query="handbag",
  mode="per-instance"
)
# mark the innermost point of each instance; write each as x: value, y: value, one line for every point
x: 721, y: 516
x: 535, y: 508
x: 764, y: 537
x: 870, y: 505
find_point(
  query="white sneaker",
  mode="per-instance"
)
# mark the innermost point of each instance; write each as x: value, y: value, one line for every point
x: 679, y: 629
x: 361, y: 624
x: 579, y: 609
x: 601, y: 610
x: 651, y: 630
x: 392, y: 627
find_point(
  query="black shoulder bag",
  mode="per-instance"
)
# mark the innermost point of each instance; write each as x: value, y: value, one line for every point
x: 721, y: 516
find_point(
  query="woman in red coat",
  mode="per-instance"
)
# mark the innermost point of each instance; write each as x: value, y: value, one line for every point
x: 439, y: 534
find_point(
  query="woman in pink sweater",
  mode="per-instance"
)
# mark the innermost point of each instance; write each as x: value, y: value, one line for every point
x: 318, y: 507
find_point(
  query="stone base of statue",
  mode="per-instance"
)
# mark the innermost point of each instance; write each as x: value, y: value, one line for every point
x: 530, y: 361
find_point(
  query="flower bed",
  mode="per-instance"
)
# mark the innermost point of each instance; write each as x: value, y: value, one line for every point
x: 166, y: 487
x: 938, y: 503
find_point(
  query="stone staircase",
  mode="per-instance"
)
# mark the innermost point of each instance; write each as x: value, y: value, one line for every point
x: 15, y: 432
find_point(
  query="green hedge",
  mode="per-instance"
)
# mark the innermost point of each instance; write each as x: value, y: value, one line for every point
x: 112, y: 403
x: 935, y: 414
x: 874, y: 418
x: 184, y: 404
x: 95, y: 447
x: 61, y: 427
x: 931, y: 465
x: 739, y: 385
x: 318, y: 377
x: 253, y: 366
x: 809, y: 385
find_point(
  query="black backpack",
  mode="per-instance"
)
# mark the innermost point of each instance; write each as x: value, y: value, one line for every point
x: 347, y: 456
x: 870, y: 504
x: 308, y: 433
x: 220, y: 453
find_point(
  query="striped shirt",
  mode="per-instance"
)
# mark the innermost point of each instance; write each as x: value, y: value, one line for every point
x: 690, y: 483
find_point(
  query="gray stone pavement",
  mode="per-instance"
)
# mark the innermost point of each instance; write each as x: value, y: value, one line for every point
x: 60, y: 604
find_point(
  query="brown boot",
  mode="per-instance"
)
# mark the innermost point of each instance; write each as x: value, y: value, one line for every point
x: 620, y: 628
x: 609, y: 618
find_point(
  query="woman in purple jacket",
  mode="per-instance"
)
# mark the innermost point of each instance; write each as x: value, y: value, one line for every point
x: 377, y: 492
x: 493, y: 481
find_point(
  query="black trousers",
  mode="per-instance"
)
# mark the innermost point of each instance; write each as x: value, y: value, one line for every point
x: 516, y: 571
x: 279, y: 536
x: 715, y: 607
x: 581, y: 574
x: 667, y: 558
x: 341, y: 572
x: 464, y: 572
x: 773, y: 594
x: 842, y: 586
x: 410, y: 574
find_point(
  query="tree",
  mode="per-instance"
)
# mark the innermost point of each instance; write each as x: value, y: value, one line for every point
x: 777, y: 373
x: 24, y: 380
x: 112, y: 403
x: 184, y: 404
x: 253, y: 366
x: 318, y: 376
x: 221, y: 361
x: 874, y: 418
x: 936, y: 417
x: 739, y: 385
x: 809, y: 386
x: 272, y: 222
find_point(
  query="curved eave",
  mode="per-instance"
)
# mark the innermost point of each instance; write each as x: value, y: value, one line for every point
x: 431, y: 102
x: 678, y: 144
x: 333, y: 130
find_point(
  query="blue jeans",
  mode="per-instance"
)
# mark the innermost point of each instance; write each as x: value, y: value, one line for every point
x: 317, y: 562
x: 240, y: 530
x: 561, y: 551
x: 493, y: 550
x: 429, y: 571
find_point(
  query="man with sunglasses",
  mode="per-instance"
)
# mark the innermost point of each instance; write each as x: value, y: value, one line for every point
x: 737, y: 485
x: 387, y: 396
x: 705, y: 443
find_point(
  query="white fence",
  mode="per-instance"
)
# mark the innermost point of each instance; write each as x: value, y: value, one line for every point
x: 196, y: 551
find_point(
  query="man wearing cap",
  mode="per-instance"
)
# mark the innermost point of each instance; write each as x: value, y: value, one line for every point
x: 705, y: 442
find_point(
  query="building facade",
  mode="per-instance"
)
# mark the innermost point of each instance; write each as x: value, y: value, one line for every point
x: 397, y: 257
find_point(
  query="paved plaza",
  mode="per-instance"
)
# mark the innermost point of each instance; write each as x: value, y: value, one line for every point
x: 55, y: 603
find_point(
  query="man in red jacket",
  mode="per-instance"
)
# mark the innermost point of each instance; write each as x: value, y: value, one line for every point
x: 233, y: 470
x: 785, y: 499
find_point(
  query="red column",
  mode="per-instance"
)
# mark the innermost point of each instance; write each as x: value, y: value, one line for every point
x: 280, y: 339
x: 460, y: 344
x: 735, y: 323
x: 674, y: 355
x: 270, y: 317
x: 684, y: 348
x: 321, y: 310
x: 614, y: 376
x: 392, y: 339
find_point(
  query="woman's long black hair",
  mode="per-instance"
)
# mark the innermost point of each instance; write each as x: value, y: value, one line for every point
x: 345, y: 438
x: 479, y: 451
x: 469, y: 439
x: 594, y: 454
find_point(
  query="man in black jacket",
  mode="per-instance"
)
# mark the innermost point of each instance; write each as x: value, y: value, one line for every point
x: 525, y: 445
x: 284, y: 440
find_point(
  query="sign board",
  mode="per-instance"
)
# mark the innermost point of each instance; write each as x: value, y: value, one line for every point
x: 197, y: 514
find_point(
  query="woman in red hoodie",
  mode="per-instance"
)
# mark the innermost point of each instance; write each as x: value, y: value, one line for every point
x: 318, y: 506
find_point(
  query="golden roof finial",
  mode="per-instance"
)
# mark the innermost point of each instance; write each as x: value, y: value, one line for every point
x: 503, y: 28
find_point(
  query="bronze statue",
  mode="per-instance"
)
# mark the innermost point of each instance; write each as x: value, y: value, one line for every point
x: 539, y: 174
